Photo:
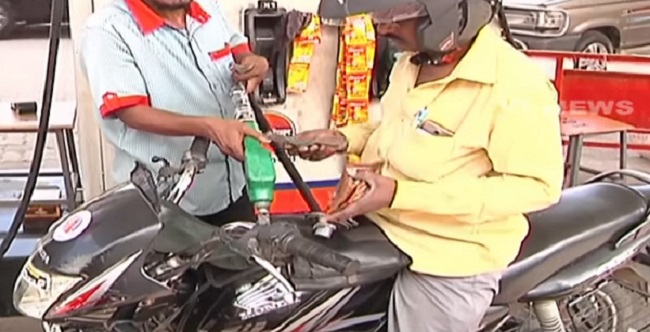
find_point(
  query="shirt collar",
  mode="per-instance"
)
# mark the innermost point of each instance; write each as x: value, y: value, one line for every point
x: 149, y: 20
x: 479, y: 63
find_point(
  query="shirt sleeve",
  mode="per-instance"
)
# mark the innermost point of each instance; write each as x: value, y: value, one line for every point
x: 357, y: 135
x: 114, y: 78
x: 525, y: 148
x: 237, y: 41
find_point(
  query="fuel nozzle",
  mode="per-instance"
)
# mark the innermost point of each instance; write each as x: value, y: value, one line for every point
x: 259, y: 168
x: 263, y: 212
x: 324, y: 230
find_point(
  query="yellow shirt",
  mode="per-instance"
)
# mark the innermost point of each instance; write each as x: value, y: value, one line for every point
x: 460, y: 199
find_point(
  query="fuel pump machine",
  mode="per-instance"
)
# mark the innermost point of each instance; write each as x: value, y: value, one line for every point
x: 264, y: 26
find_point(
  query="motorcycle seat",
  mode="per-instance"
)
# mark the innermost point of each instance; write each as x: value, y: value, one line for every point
x: 644, y: 189
x: 586, y: 218
x: 379, y: 258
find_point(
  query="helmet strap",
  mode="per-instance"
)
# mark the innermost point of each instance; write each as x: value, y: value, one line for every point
x: 438, y: 59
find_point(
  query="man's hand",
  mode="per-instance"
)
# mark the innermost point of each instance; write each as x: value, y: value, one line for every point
x: 229, y: 135
x: 252, y: 69
x: 380, y: 193
x: 324, y: 144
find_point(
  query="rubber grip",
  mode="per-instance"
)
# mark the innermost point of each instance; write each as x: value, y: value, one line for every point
x: 199, y: 147
x: 318, y: 254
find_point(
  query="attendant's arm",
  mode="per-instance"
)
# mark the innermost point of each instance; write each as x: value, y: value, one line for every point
x: 119, y: 90
x: 526, y: 151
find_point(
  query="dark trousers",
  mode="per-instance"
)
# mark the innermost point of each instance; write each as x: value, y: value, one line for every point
x: 240, y: 210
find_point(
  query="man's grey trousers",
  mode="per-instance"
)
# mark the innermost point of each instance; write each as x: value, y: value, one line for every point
x: 424, y: 303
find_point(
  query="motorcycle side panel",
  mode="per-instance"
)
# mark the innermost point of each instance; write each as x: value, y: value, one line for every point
x: 122, y: 224
x: 361, y: 308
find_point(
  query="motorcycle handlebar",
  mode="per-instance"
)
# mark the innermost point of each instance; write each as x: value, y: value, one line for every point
x: 288, y: 239
x: 318, y: 254
x: 193, y: 162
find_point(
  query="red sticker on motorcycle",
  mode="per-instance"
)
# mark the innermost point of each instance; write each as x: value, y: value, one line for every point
x: 72, y: 226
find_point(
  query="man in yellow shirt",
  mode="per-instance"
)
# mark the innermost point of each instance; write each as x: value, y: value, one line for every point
x: 469, y: 140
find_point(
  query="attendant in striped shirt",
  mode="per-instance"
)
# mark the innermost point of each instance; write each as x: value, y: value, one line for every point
x: 160, y: 74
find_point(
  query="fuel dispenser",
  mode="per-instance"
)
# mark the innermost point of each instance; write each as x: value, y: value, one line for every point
x: 265, y: 27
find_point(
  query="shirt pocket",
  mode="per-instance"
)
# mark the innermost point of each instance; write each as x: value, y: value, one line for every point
x: 422, y: 156
x: 222, y: 59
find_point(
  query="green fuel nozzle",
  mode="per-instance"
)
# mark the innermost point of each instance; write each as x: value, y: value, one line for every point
x: 259, y: 169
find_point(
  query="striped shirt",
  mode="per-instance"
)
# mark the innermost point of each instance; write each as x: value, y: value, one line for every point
x: 132, y: 57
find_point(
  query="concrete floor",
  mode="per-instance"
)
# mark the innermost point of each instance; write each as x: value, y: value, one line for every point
x: 19, y: 324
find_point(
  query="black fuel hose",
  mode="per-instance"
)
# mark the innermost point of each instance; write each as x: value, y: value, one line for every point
x: 56, y: 17
x: 288, y: 239
x: 284, y: 159
x: 318, y: 254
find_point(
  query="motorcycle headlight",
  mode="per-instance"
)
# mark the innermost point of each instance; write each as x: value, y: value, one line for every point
x: 537, y: 22
x: 36, y: 291
x: 38, y: 294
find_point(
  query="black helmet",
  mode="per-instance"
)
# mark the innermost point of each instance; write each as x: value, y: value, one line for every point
x: 450, y: 24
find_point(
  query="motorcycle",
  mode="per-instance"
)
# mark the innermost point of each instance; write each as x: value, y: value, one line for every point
x: 132, y: 260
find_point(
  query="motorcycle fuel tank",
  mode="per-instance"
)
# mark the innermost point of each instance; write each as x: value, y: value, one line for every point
x: 99, y: 234
x: 100, y: 246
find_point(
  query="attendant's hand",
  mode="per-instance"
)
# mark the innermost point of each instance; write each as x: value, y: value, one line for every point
x: 229, y: 135
x: 252, y: 69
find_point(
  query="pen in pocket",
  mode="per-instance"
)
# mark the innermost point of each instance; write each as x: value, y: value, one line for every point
x: 431, y: 128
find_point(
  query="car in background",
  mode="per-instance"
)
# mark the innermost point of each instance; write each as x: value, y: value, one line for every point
x: 17, y: 13
x: 592, y: 26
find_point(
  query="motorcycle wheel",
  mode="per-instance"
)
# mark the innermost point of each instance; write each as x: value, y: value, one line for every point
x: 619, y: 308
x: 596, y: 310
